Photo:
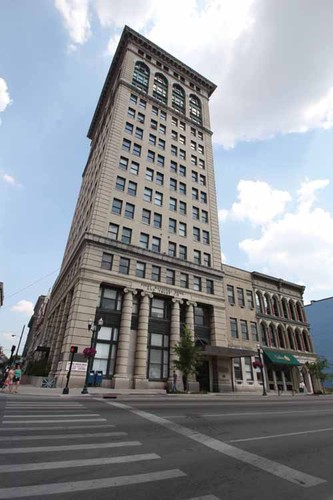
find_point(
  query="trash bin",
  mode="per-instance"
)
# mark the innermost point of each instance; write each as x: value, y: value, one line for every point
x: 98, y: 377
x: 91, y: 377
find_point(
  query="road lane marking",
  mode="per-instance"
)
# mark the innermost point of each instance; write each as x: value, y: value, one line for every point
x: 246, y: 414
x: 87, y: 462
x: 87, y: 414
x: 63, y: 436
x: 54, y: 427
x: 206, y: 497
x: 279, y: 470
x: 90, y: 446
x: 8, y: 422
x: 313, y: 431
x: 93, y: 484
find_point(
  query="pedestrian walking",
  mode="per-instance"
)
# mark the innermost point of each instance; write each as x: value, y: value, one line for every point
x: 174, y: 381
x: 17, y: 377
x: 9, y: 380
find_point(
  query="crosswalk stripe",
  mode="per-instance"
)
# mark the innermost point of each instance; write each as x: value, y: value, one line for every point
x: 41, y: 407
x: 63, y: 436
x: 58, y: 421
x: 54, y: 427
x: 64, y: 464
x: 87, y: 414
x: 205, y: 497
x: 90, y: 446
x: 93, y: 484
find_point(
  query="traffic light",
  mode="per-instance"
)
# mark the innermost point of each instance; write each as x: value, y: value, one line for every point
x: 73, y: 349
x: 13, y: 349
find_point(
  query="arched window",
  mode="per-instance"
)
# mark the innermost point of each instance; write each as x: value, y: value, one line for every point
x: 272, y: 338
x: 299, y: 311
x: 281, y: 337
x: 276, y: 308
x: 141, y: 76
x: 178, y: 98
x: 299, y: 340
x: 263, y: 334
x: 259, y: 303
x: 291, y: 339
x: 292, y: 310
x: 306, y: 341
x: 285, y: 308
x: 267, y: 304
x: 160, y: 88
x: 195, y: 109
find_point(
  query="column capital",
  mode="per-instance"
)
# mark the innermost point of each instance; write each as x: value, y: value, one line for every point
x: 130, y: 290
x: 174, y: 300
x: 191, y: 303
x: 146, y: 294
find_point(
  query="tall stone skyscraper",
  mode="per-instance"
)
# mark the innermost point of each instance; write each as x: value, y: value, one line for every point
x: 143, y: 252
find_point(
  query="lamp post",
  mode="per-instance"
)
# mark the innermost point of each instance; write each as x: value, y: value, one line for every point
x: 94, y: 331
x: 264, y: 393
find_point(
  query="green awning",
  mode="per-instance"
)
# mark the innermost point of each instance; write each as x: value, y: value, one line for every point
x: 281, y: 358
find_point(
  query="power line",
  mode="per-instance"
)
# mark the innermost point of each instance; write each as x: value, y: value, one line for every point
x: 31, y: 284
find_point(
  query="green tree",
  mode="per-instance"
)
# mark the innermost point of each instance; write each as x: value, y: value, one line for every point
x: 188, y: 356
x: 319, y: 370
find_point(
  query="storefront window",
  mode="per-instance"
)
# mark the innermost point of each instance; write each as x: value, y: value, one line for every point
x: 106, y: 349
x: 158, y: 367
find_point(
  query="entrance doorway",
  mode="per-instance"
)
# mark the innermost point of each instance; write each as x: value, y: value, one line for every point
x: 203, y: 376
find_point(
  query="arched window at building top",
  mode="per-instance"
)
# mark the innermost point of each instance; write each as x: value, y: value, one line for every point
x: 195, y: 109
x: 299, y: 312
x: 258, y: 303
x: 292, y: 310
x: 178, y: 98
x: 275, y: 304
x: 263, y: 334
x: 281, y: 337
x: 160, y: 88
x: 272, y: 338
x: 285, y: 308
x: 291, y: 339
x: 141, y: 76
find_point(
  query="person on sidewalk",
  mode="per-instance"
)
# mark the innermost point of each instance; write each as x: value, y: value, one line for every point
x: 17, y: 377
x: 174, y: 381
x: 9, y: 380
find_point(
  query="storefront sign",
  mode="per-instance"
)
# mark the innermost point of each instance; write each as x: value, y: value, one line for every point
x: 77, y: 366
x: 160, y: 289
x: 303, y: 360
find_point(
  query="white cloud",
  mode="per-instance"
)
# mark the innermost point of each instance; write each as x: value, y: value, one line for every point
x: 296, y: 245
x: 257, y: 202
x: 5, y: 99
x: 75, y: 14
x: 9, y: 179
x: 23, y: 306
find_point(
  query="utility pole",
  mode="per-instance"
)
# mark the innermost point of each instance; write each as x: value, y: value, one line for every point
x: 18, y: 347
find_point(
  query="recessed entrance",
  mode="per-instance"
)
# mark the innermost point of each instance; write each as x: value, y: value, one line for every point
x: 203, y: 376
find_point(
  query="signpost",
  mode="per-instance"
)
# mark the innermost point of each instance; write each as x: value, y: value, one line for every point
x: 73, y: 351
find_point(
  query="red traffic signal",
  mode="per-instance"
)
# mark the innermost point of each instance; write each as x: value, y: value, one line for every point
x: 13, y: 349
x: 73, y: 349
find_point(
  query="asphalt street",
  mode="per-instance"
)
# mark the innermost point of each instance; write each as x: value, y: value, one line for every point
x: 166, y: 448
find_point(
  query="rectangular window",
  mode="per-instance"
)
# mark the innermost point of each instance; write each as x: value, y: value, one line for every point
x: 254, y: 332
x: 133, y: 98
x: 204, y: 216
x: 142, y: 104
x: 154, y: 111
x: 182, y: 252
x: 182, y: 188
x: 182, y: 229
x: 206, y: 259
x: 231, y: 294
x: 234, y: 328
x: 197, y: 283
x: 144, y: 240
x: 152, y: 139
x: 150, y: 174
x: 159, y: 179
x: 146, y: 215
x: 193, y: 132
x: 197, y: 257
x: 158, y: 200
x: 172, y: 225
x: 249, y: 299
x: 202, y: 164
x: 194, y: 176
x: 126, y: 235
x: 201, y: 149
x: 129, y: 211
x: 163, y: 115
x: 156, y: 244
x: 195, y: 194
x: 134, y: 168
x: 170, y: 276
x: 210, y: 286
x: 123, y: 163
x: 182, y: 126
x: 160, y: 160
x: 173, y: 204
x: 174, y: 150
x: 173, y: 185
x: 124, y: 265
x: 131, y: 113
x: 117, y: 206
x: 158, y: 309
x: 173, y: 167
x: 182, y: 139
x: 240, y: 297
x: 129, y: 128
x: 139, y: 133
x: 174, y: 135
x: 157, y: 220
x: 120, y: 183
x: 182, y: 154
x: 148, y: 194
x: 141, y: 118
x: 140, y: 270
x: 205, y: 237
x: 162, y: 129
x: 182, y: 171
x: 113, y: 231
x: 183, y: 280
x: 237, y: 368
x: 196, y: 234
x: 202, y: 180
x: 244, y: 329
x: 107, y: 260
x: 194, y: 161
x: 200, y: 135
x: 153, y: 124
x: 150, y: 156
x: 132, y: 187
x: 203, y: 197
x: 195, y: 213
x: 161, y: 144
x: 248, y: 369
x: 155, y: 273
x: 174, y: 121
x: 193, y: 145
x: 172, y: 249
x: 182, y: 207
x: 126, y: 145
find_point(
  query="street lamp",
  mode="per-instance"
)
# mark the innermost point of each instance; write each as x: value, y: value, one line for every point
x: 262, y: 371
x: 94, y: 331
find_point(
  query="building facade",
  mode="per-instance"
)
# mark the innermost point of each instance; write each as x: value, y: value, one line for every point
x: 1, y: 293
x: 267, y: 314
x: 35, y: 343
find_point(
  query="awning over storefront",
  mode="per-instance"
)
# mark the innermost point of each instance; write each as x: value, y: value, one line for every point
x: 228, y: 352
x: 281, y: 358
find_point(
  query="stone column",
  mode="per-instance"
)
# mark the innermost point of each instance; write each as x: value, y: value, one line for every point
x: 121, y: 377
x: 192, y: 383
x: 174, y: 339
x: 141, y: 354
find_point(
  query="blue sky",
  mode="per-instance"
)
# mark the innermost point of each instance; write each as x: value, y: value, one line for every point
x: 272, y: 118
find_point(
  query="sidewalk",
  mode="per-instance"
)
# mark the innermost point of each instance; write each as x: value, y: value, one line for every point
x: 101, y: 392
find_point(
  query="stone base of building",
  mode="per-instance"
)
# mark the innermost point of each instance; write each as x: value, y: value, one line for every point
x: 140, y: 383
x: 121, y: 383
